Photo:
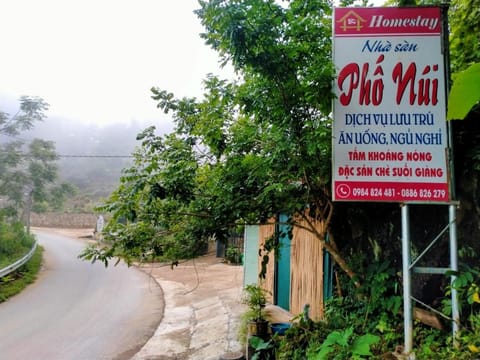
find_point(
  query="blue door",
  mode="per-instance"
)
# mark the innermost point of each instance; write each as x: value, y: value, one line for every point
x: 282, y: 271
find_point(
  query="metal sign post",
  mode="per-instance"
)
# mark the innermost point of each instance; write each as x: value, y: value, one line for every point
x: 407, y: 288
x: 408, y: 266
x: 454, y: 268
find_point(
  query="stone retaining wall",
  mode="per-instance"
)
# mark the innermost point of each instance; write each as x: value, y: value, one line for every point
x: 63, y: 220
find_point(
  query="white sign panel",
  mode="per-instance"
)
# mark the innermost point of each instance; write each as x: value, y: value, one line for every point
x: 389, y: 136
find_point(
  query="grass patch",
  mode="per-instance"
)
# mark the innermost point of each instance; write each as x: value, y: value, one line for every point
x: 15, y: 282
x: 14, y: 242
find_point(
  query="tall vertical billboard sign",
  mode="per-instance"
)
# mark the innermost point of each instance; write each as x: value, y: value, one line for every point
x: 389, y: 133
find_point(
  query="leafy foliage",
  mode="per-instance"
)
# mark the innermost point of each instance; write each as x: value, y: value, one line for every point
x: 27, y: 171
x: 264, y: 350
x: 31, y: 109
x: 14, y: 242
x: 151, y: 207
x: 372, y: 308
x: 300, y: 338
x: 233, y: 255
x: 255, y: 297
x: 464, y: 34
x: 465, y: 57
x: 465, y: 93
x: 340, y: 343
x: 251, y: 148
x: 368, y: 324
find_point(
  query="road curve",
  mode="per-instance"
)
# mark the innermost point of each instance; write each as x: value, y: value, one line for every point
x: 79, y: 311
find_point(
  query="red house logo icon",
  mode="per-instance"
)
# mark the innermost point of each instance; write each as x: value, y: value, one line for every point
x: 351, y: 21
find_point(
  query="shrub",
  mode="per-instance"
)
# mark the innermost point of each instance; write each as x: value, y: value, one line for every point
x: 14, y: 242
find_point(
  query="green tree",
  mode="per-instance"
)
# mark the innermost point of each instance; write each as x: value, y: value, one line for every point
x: 27, y: 171
x: 464, y: 34
x: 465, y: 58
x: 151, y: 207
x: 252, y: 148
x: 31, y: 109
x: 260, y: 145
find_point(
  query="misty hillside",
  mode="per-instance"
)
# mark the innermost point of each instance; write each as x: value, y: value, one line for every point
x: 92, y: 156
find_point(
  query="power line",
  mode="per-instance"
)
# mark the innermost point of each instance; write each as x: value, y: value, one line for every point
x: 85, y: 156
x: 95, y: 156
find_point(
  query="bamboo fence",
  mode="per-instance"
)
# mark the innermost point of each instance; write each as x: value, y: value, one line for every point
x: 306, y: 270
x: 306, y: 276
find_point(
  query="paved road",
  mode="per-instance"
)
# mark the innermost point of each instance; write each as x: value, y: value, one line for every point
x: 79, y: 311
